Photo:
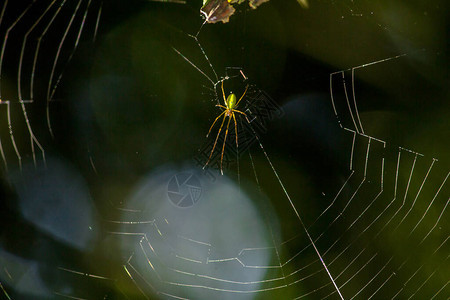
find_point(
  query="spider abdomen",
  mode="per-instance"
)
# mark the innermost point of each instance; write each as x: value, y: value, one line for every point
x: 231, y: 101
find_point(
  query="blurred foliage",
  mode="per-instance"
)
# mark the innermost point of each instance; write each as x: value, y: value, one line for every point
x: 221, y: 10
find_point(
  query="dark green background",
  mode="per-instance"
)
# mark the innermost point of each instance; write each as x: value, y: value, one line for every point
x: 132, y: 104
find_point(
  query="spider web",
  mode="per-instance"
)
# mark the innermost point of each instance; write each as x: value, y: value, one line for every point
x: 324, y: 203
x: 25, y: 64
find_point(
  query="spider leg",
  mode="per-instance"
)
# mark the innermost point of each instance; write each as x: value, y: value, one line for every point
x: 223, y: 147
x: 224, y: 98
x: 215, y: 142
x: 235, y: 130
x: 215, y: 123
x: 246, y: 88
x: 218, y: 105
x: 238, y: 111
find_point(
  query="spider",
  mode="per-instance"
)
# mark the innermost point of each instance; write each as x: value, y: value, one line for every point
x: 228, y: 111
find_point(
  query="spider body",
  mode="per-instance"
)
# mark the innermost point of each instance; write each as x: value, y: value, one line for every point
x: 231, y: 101
x: 229, y: 111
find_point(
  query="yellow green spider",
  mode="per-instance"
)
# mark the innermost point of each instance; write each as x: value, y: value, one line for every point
x: 229, y: 111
